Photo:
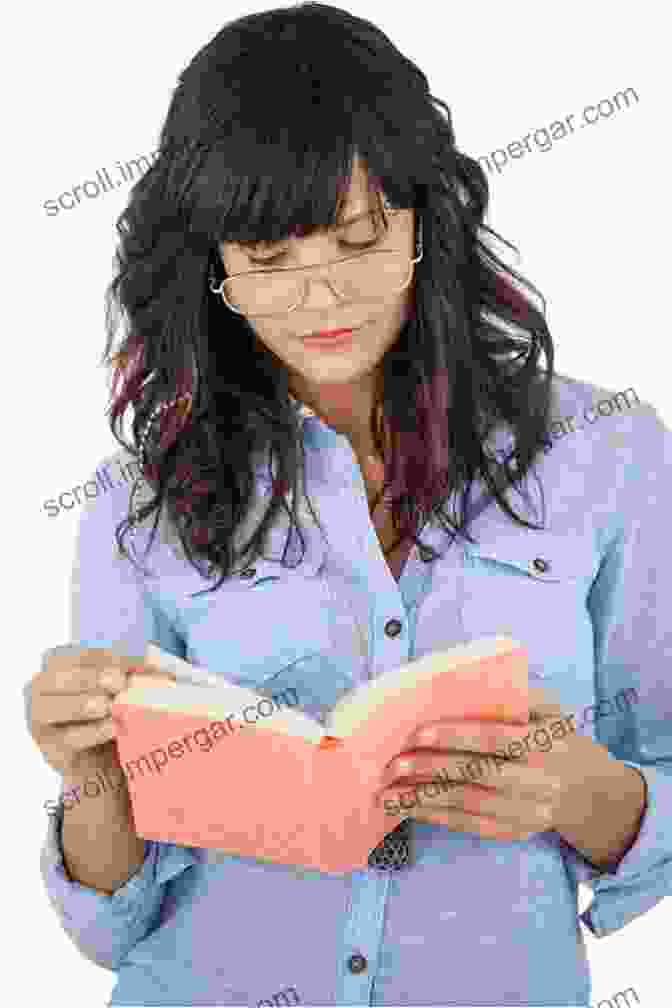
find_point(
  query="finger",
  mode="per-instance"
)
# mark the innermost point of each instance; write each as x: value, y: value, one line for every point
x: 497, y: 742
x: 82, y: 670
x: 509, y: 778
x: 60, y: 708
x: 479, y: 736
x: 397, y: 801
x: 455, y: 766
x: 523, y: 813
x: 462, y: 822
x: 83, y: 737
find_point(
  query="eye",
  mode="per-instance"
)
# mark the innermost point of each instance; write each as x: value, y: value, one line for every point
x: 367, y: 228
x: 265, y: 259
x: 342, y: 244
x: 255, y: 251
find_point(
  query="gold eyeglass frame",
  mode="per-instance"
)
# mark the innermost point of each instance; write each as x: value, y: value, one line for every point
x: 325, y: 268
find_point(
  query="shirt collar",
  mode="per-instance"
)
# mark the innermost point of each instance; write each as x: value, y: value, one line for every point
x: 498, y: 439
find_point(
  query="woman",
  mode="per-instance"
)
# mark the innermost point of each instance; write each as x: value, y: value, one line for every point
x: 433, y: 507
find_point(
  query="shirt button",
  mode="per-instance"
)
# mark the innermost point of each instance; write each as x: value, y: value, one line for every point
x: 393, y: 628
x: 249, y: 573
x: 357, y: 964
x: 540, y: 565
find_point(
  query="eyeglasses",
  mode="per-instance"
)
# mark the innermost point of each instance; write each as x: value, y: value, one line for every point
x: 367, y: 276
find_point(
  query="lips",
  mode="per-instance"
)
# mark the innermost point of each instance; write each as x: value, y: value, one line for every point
x: 328, y: 333
x: 339, y: 341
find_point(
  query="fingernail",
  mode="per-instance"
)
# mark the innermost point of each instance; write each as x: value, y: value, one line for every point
x: 426, y: 736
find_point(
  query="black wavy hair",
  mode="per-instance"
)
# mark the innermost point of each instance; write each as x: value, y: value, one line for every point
x: 258, y: 143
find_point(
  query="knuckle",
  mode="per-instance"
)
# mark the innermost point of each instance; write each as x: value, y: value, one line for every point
x: 57, y: 658
x: 74, y: 738
x: 545, y: 814
x: 37, y: 722
x: 106, y: 728
x: 94, y: 706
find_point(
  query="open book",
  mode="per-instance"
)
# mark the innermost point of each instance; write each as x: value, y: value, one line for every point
x: 211, y: 764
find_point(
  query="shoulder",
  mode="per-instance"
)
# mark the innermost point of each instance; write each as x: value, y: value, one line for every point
x: 585, y: 401
x: 116, y: 489
x: 606, y: 447
x: 596, y: 419
x: 107, y: 489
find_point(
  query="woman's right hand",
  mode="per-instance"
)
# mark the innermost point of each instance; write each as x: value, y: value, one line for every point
x: 70, y: 700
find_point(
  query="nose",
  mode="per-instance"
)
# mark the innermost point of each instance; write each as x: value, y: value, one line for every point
x: 317, y: 252
x: 317, y: 290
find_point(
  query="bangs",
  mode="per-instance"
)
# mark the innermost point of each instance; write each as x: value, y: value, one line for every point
x: 290, y: 197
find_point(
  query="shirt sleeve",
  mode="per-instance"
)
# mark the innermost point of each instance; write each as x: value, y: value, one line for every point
x: 110, y: 608
x: 629, y: 603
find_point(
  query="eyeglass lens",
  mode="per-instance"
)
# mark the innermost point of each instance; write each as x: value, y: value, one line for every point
x: 374, y: 275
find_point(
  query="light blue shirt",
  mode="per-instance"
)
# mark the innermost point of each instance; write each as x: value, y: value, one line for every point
x: 471, y: 921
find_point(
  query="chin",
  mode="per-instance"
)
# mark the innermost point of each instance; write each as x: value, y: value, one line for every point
x: 340, y: 365
x: 346, y: 368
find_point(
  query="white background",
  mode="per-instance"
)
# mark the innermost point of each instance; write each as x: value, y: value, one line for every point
x: 88, y: 85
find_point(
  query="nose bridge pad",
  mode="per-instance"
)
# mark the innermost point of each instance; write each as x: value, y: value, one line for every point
x: 310, y: 279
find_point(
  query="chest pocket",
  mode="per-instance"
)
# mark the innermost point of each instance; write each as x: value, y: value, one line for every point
x: 533, y: 586
x: 268, y: 629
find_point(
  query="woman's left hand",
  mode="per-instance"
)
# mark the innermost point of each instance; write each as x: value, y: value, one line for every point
x: 556, y: 780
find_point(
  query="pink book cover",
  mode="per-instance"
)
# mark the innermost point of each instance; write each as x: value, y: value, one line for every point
x: 263, y: 793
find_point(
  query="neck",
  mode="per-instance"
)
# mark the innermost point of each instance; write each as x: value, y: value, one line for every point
x: 344, y: 406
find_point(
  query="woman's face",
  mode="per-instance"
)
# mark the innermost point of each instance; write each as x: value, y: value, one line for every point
x: 377, y: 324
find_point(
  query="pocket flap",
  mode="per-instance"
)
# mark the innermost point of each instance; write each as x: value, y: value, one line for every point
x: 263, y: 570
x: 544, y: 556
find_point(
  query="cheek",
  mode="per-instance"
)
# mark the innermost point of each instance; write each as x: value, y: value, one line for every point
x: 390, y: 318
x: 271, y: 337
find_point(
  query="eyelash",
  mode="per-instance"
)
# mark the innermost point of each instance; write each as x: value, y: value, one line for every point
x: 350, y: 245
